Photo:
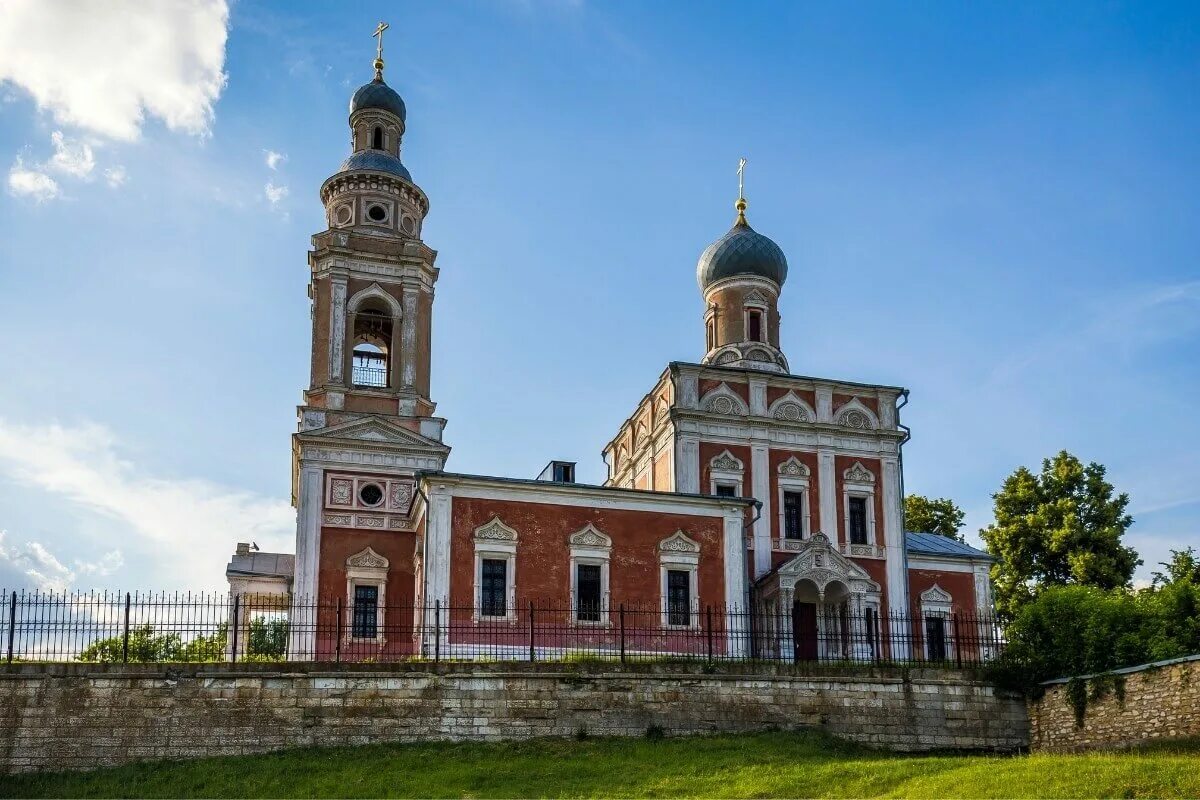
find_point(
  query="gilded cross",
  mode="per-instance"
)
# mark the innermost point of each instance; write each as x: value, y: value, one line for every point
x: 741, y: 169
x: 383, y: 26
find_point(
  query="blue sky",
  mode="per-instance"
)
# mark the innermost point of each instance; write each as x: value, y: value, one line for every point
x: 992, y: 205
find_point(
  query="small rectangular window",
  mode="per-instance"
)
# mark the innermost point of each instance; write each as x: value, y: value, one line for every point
x: 726, y: 490
x: 493, y: 589
x: 755, y: 326
x: 564, y: 473
x: 679, y: 597
x: 935, y: 638
x: 858, y: 520
x: 365, y: 616
x: 793, y: 515
x: 587, y: 592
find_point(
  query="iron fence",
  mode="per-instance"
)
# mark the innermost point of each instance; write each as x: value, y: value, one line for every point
x: 179, y: 627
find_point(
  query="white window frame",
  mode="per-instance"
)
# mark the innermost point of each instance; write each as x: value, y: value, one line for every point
x: 366, y: 568
x: 495, y: 541
x: 858, y: 481
x: 678, y: 553
x: 753, y: 304
x: 937, y: 602
x: 793, y: 476
x: 725, y: 474
x: 589, y: 545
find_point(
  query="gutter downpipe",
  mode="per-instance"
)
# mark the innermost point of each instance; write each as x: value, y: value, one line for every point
x: 900, y: 464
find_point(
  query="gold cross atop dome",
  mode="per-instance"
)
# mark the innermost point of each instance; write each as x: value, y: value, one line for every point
x: 378, y: 34
x: 740, y: 205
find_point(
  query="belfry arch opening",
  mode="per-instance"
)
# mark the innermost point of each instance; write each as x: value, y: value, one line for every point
x: 377, y: 138
x: 371, y: 363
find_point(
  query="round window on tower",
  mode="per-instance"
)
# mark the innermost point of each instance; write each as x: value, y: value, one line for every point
x: 377, y: 213
x: 370, y: 494
x: 407, y: 224
x: 342, y: 215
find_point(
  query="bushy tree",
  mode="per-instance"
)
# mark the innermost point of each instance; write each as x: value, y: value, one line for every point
x: 268, y: 638
x: 1062, y: 527
x: 1184, y: 565
x: 939, y: 515
x: 147, y: 647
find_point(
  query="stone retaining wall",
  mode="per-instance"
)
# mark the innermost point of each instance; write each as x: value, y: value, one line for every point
x: 83, y: 716
x: 1124, y: 708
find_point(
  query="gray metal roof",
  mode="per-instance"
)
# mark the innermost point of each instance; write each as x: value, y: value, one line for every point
x: 262, y: 564
x: 378, y: 94
x: 742, y: 251
x: 376, y: 160
x: 934, y: 544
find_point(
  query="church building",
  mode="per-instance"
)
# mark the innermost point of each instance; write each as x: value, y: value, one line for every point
x: 734, y: 483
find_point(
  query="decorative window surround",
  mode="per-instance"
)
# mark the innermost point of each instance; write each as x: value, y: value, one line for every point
x: 366, y: 568
x: 680, y: 554
x: 858, y: 481
x: 937, y: 602
x: 496, y: 541
x: 590, y: 546
x: 376, y: 291
x: 726, y: 469
x: 345, y: 508
x: 794, y: 477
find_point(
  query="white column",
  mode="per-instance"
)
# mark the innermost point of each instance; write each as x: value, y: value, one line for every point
x: 760, y: 478
x: 437, y: 561
x: 824, y: 407
x: 337, y: 329
x: 758, y: 397
x: 687, y: 465
x: 308, y: 555
x: 893, y: 540
x: 408, y: 337
x: 689, y: 392
x: 736, y: 587
x: 828, y: 492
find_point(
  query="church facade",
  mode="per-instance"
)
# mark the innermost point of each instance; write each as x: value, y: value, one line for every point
x: 733, y: 484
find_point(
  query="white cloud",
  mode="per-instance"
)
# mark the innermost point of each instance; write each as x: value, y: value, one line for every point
x: 116, y: 177
x: 185, y: 528
x: 31, y: 183
x: 70, y: 158
x: 105, y: 67
x: 45, y: 571
x: 274, y: 193
x: 274, y: 159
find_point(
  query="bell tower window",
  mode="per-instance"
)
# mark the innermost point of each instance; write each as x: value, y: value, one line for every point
x: 754, y: 325
x: 371, y: 364
x: 377, y: 138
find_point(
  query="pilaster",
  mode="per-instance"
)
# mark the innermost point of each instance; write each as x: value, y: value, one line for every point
x: 337, y: 329
x: 828, y: 495
x: 687, y: 465
x: 760, y: 477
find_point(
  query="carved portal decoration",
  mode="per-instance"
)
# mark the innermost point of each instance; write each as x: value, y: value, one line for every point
x: 855, y: 414
x: 818, y: 562
x: 367, y: 559
x: 794, y: 468
x: 678, y: 542
x: 724, y: 401
x: 726, y: 462
x: 590, y: 536
x: 495, y: 531
x: 859, y: 474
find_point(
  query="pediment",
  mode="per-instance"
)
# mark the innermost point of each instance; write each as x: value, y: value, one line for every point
x: 936, y: 595
x: 820, y: 562
x: 377, y: 431
x: 590, y: 536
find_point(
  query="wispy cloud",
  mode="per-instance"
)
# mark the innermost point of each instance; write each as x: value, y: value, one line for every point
x: 184, y: 527
x: 43, y: 570
x: 31, y: 183
x: 115, y: 177
x: 275, y: 194
x: 106, y: 67
x: 274, y: 159
x: 71, y: 157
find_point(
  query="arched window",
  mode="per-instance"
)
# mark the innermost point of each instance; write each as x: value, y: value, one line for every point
x: 371, y: 343
x: 370, y: 365
x: 377, y: 138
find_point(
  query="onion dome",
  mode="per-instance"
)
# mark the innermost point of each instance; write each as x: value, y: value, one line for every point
x: 742, y: 251
x: 377, y: 161
x: 378, y: 95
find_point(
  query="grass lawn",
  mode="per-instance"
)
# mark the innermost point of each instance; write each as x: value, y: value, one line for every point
x: 762, y: 765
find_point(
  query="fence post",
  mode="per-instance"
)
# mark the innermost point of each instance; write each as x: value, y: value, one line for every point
x: 437, y: 630
x: 622, y: 632
x: 708, y: 624
x: 531, y: 643
x: 125, y: 633
x: 237, y: 624
x: 957, y: 641
x: 12, y: 624
x: 337, y: 646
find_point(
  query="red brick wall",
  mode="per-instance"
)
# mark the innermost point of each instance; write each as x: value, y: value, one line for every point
x: 960, y: 585
x: 776, y: 392
x: 741, y: 389
x: 543, y: 553
x: 840, y: 400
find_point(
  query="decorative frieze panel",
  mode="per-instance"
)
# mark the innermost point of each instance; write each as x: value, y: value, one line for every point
x: 366, y: 501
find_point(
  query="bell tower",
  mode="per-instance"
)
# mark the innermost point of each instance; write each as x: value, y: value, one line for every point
x: 367, y: 421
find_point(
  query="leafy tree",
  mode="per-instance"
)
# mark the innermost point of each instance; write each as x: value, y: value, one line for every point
x: 1060, y: 528
x: 940, y: 516
x: 1184, y: 565
x: 268, y: 638
x: 147, y: 647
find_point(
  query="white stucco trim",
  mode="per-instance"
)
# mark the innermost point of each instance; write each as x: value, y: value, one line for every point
x: 679, y: 553
x: 366, y: 568
x: 376, y: 291
x: 590, y: 546
x: 495, y: 541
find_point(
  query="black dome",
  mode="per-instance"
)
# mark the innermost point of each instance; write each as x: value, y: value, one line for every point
x: 378, y: 94
x: 742, y: 251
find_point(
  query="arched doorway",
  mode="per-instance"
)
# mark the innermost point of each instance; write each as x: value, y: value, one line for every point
x: 806, y: 633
